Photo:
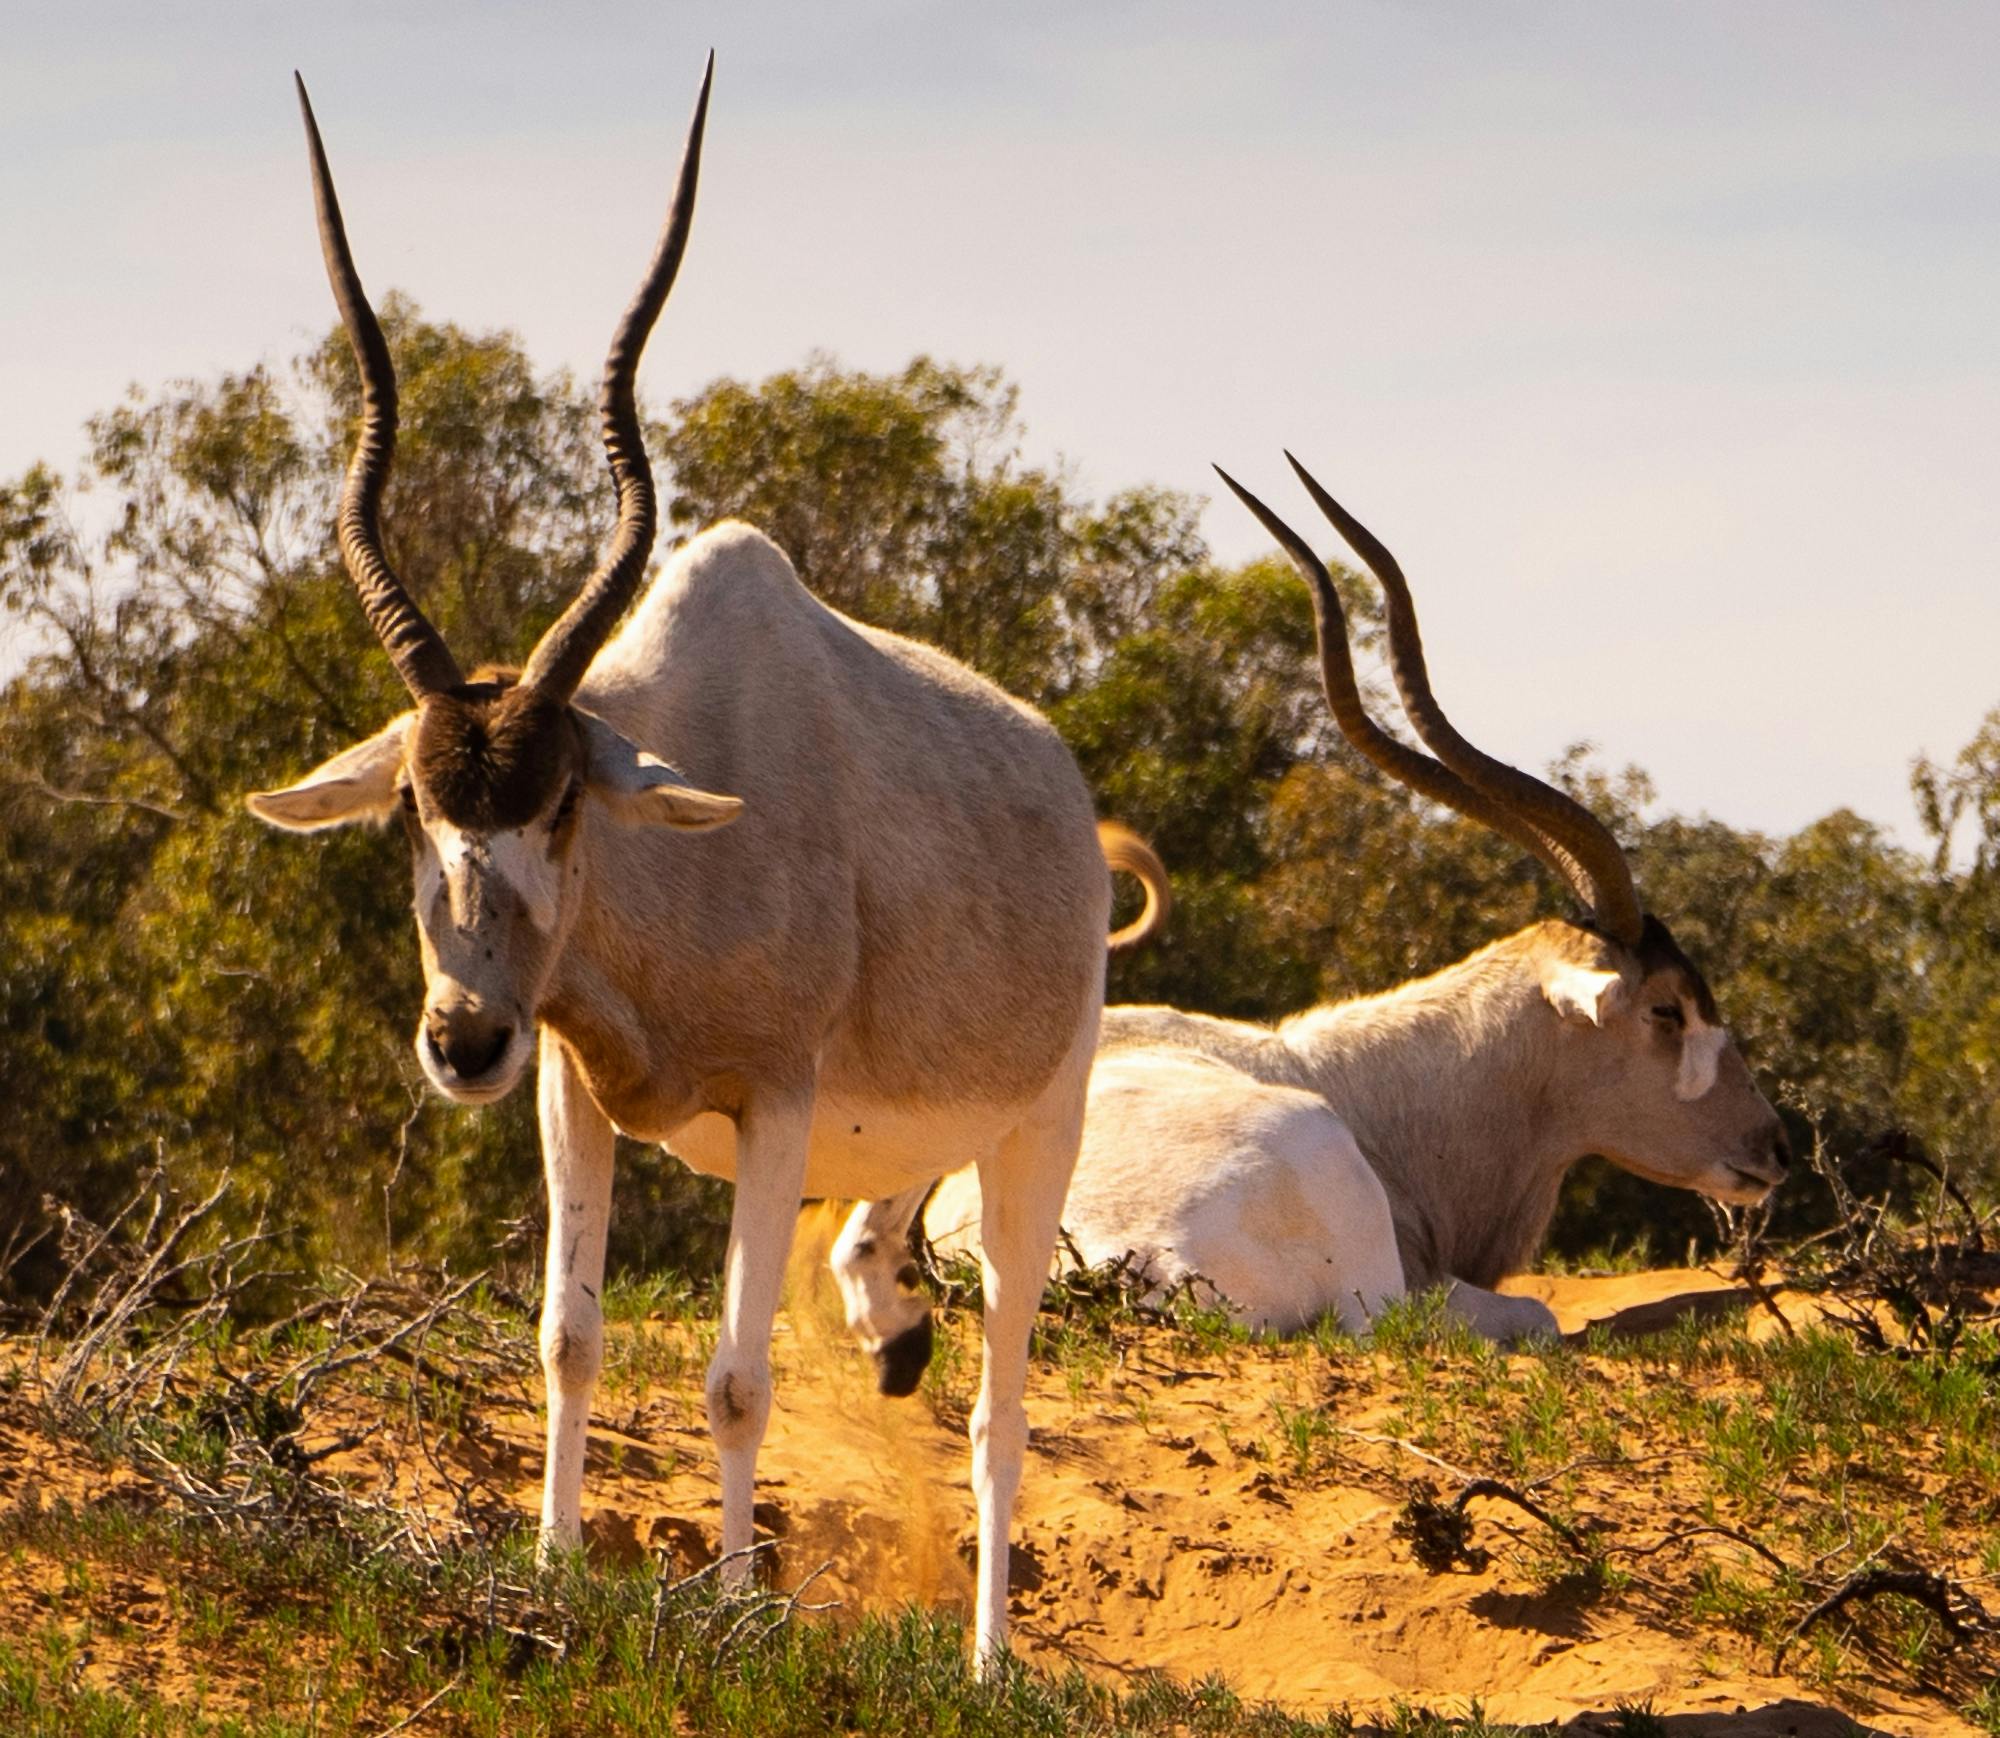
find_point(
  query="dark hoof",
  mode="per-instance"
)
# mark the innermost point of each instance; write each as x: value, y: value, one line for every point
x: 900, y: 1365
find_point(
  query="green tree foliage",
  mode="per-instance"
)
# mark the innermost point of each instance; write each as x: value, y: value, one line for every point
x: 179, y: 982
x: 1954, y: 1039
x: 901, y: 499
x: 179, y: 985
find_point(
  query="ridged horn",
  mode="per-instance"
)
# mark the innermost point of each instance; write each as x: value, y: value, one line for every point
x: 558, y: 663
x: 416, y: 648
x: 1598, y: 871
x: 1408, y: 766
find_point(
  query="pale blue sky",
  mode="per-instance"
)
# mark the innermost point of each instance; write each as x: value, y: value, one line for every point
x: 1658, y: 341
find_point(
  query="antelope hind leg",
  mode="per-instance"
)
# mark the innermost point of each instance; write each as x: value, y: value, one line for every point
x: 1022, y: 1188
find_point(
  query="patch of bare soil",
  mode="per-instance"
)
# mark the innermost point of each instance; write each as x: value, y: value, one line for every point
x: 1159, y: 1531
x: 1163, y: 1525
x: 135, y: 1617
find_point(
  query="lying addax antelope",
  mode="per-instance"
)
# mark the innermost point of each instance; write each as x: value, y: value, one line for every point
x: 1420, y: 1136
x: 892, y: 958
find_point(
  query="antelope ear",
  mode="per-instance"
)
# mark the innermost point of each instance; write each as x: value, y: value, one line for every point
x: 641, y: 790
x: 1581, y: 992
x: 358, y: 784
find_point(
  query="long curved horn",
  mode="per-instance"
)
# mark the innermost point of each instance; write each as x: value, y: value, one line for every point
x: 416, y: 648
x: 1600, y: 875
x: 558, y: 663
x: 1406, y: 765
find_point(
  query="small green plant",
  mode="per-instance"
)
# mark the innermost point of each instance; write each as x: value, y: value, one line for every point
x: 1329, y: 1337
x: 1406, y: 1721
x: 950, y: 1376
x: 1984, y: 1709
x: 1824, y: 1662
x: 1079, y: 1350
x: 1303, y: 1433
x: 1637, y: 1720
x: 1202, y: 1323
x: 663, y: 1296
x: 1621, y: 1255
x: 1420, y: 1326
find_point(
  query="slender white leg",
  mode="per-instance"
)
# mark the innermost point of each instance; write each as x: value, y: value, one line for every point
x: 882, y: 1290
x: 577, y: 1147
x: 1501, y: 1318
x: 770, y: 1172
x: 1022, y: 1188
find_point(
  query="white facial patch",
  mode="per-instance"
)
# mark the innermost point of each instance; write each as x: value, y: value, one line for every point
x: 1701, y: 1055
x: 430, y: 875
x: 516, y: 860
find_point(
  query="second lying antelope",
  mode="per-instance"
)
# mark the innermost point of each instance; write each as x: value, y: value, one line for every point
x: 1419, y: 1137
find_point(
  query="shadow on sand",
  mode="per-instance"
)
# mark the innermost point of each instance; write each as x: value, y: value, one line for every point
x: 1784, y: 1719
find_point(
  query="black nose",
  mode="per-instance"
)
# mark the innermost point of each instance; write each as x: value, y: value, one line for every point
x: 899, y: 1365
x: 1781, y: 1150
x: 467, y: 1050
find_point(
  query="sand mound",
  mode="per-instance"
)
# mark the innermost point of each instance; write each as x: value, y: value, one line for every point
x: 1172, y: 1518
x: 1155, y: 1533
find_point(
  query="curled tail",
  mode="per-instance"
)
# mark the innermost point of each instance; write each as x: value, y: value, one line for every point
x: 1126, y: 853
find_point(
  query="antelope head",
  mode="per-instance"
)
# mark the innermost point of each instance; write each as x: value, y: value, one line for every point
x: 1652, y: 1074
x: 492, y: 775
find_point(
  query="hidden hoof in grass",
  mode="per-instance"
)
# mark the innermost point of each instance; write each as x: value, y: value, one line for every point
x: 901, y: 1362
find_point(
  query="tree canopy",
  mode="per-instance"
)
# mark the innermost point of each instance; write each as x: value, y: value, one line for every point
x: 179, y: 986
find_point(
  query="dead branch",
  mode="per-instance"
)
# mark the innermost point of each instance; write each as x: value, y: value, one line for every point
x: 1681, y: 1536
x: 1903, y: 1148
x: 770, y: 1614
x: 1440, y: 1534
x: 733, y: 1615
x: 56, y: 794
x: 422, y: 1708
x: 1952, y: 1605
x: 1749, y: 1269
x: 1409, y: 1448
x: 666, y: 1593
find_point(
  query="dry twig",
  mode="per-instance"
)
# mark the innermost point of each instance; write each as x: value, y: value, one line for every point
x: 1954, y: 1607
x: 1440, y: 1534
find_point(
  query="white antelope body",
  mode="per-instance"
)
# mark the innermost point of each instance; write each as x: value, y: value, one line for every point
x: 890, y: 958
x: 1463, y: 1098
x: 1199, y: 1173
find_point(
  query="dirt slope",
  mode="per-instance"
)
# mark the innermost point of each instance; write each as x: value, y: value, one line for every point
x: 1164, y: 1524
x: 1155, y: 1533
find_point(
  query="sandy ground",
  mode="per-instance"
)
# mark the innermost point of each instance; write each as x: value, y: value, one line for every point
x: 1153, y: 1534
x: 1148, y: 1539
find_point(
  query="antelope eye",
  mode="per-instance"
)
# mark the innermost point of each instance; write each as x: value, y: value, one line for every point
x: 1670, y: 1013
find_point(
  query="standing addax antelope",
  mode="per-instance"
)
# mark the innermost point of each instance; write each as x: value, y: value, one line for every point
x: 884, y: 944
x: 1420, y: 1136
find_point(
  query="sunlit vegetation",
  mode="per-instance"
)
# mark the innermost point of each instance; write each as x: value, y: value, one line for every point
x: 183, y: 995
x: 275, y: 1524
x: 178, y: 985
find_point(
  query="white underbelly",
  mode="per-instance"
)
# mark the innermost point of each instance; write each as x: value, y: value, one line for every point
x: 862, y: 1151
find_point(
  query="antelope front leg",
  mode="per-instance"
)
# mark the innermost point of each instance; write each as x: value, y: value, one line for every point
x: 1508, y: 1320
x: 577, y: 1147
x: 770, y: 1172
